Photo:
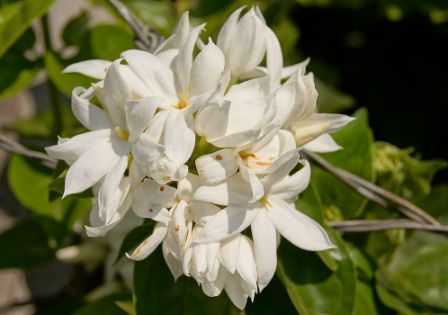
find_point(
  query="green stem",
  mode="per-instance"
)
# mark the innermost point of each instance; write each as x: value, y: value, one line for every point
x: 53, y: 93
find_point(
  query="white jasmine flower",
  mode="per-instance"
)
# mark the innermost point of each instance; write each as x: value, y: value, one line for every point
x: 275, y: 211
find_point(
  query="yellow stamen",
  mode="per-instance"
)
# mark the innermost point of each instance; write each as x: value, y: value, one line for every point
x: 245, y: 156
x: 122, y: 134
x: 263, y: 163
x: 183, y: 102
x: 264, y: 201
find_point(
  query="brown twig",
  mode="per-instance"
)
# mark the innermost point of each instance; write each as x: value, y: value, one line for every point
x: 381, y: 225
x: 13, y: 146
x: 146, y: 37
x: 374, y: 193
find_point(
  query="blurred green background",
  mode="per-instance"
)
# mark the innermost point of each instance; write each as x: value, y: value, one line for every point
x: 386, y: 61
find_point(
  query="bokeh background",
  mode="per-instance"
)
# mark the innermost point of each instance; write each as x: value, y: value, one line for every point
x: 387, y: 56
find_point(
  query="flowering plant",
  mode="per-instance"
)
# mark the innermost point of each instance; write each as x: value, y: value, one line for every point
x: 200, y: 174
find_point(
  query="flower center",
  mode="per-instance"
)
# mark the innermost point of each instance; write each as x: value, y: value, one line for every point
x: 122, y: 134
x: 265, y: 202
x: 183, y: 102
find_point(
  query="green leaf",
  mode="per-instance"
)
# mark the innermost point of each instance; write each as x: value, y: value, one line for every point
x: 109, y: 41
x: 16, y: 17
x: 355, y: 157
x: 29, y: 182
x: 133, y: 238
x: 365, y: 300
x: 155, y: 292
x: 312, y: 286
x: 107, y: 305
x: 417, y: 271
x: 64, y: 82
x: 24, y: 245
x: 436, y: 202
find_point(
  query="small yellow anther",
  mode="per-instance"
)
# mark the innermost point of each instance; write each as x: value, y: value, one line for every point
x: 182, y: 101
x: 264, y: 201
x: 122, y: 134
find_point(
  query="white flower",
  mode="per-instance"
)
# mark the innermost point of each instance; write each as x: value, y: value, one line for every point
x: 104, y: 153
x: 274, y: 211
x: 245, y: 42
x: 297, y: 112
x: 261, y: 158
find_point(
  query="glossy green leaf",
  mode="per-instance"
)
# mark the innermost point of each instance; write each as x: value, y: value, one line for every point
x: 312, y: 286
x: 155, y: 292
x: 107, y: 305
x: 24, y: 245
x: 16, y: 17
x: 29, y: 182
x: 109, y: 41
x: 366, y: 301
x: 355, y: 157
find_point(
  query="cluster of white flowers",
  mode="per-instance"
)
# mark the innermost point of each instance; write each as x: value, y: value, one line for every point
x: 207, y: 145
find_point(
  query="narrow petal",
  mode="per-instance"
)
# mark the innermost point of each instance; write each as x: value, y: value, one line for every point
x: 336, y: 121
x: 174, y: 265
x: 139, y: 114
x: 322, y: 144
x: 149, y: 245
x: 286, y: 163
x: 179, y: 137
x: 71, y: 149
x: 228, y: 30
x: 211, y: 122
x: 230, y: 249
x: 246, y: 262
x: 296, y: 227
x: 179, y: 36
x: 216, y: 167
x: 291, y: 186
x: 157, y: 76
x: 179, y: 222
x: 234, y: 191
x: 206, y: 69
x: 108, y: 196
x: 94, y: 68
x: 274, y: 58
x: 92, y: 166
x: 203, y: 212
x: 255, y: 184
x: 90, y: 116
x: 265, y: 247
x: 183, y: 62
x: 235, y: 291
x: 145, y: 150
x: 226, y: 223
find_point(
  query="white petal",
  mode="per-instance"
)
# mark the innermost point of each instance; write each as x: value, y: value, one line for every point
x: 157, y: 76
x: 94, y: 68
x: 174, y: 265
x: 285, y: 100
x: 235, y: 291
x: 265, y: 246
x: 139, y: 114
x: 108, y: 202
x: 246, y: 263
x: 150, y: 200
x: 296, y: 227
x: 99, y: 228
x: 274, y: 58
x: 145, y: 150
x: 92, y: 166
x: 214, y: 288
x: 230, y: 249
x: 286, y: 163
x: 228, y: 30
x: 179, y: 137
x: 226, y: 223
x: 234, y: 191
x: 120, y: 86
x: 179, y: 36
x: 202, y: 212
x: 248, y: 45
x: 206, y: 69
x: 71, y: 149
x: 183, y: 62
x: 164, y: 170
x: 336, y: 121
x: 211, y: 122
x: 150, y: 244
x: 215, y: 167
x: 179, y: 223
x: 322, y: 144
x: 255, y: 184
x: 290, y: 186
x: 90, y: 116
x: 167, y: 56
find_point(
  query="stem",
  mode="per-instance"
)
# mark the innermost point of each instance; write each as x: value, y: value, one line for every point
x: 381, y: 225
x: 373, y: 192
x: 53, y: 94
